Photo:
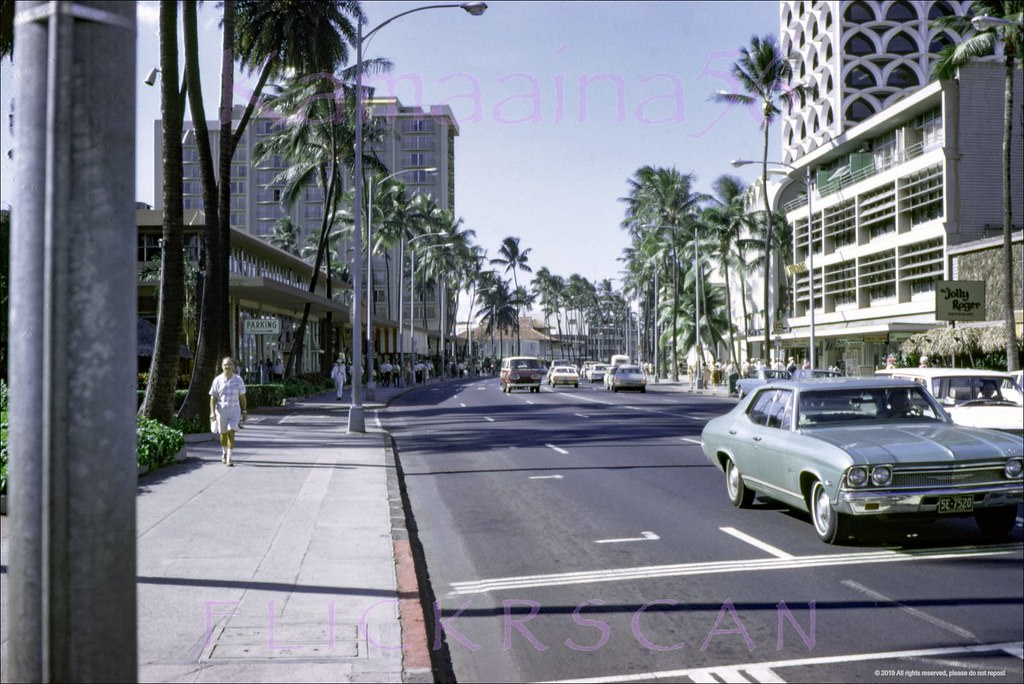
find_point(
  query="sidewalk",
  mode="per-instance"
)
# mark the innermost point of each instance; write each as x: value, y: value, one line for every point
x: 294, y: 565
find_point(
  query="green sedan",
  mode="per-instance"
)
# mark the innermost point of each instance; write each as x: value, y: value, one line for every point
x: 852, y: 449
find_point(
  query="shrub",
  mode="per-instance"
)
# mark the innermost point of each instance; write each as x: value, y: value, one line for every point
x: 156, y: 443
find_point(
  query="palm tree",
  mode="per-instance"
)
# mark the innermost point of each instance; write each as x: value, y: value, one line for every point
x: 662, y: 201
x: 277, y: 37
x: 497, y: 306
x: 513, y: 259
x: 284, y: 235
x: 727, y: 223
x: 981, y: 44
x: 158, y: 402
x: 765, y: 74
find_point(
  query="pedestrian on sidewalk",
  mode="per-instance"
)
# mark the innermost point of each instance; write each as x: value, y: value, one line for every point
x: 227, y: 407
x: 338, y: 375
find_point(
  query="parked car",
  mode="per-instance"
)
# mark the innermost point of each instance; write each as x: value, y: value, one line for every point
x: 627, y: 377
x: 809, y: 373
x: 596, y: 372
x: 757, y: 377
x: 564, y: 375
x: 518, y: 372
x: 979, y: 398
x: 852, y: 449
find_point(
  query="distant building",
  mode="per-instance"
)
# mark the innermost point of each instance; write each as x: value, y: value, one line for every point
x: 410, y: 139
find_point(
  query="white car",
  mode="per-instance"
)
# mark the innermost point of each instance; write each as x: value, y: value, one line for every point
x: 564, y: 375
x: 978, y: 398
x: 597, y: 372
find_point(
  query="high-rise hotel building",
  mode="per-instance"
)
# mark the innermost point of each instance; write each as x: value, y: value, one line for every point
x: 905, y: 172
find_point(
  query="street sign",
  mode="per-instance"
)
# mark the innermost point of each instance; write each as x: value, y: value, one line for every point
x: 262, y: 326
x: 960, y: 300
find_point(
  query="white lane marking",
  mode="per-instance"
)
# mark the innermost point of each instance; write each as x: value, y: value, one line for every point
x: 581, y: 415
x: 765, y: 675
x: 644, y: 536
x: 558, y: 449
x: 704, y: 674
x: 691, y: 440
x: 706, y: 568
x: 488, y: 419
x: 545, y: 477
x: 753, y: 541
x: 528, y: 401
x: 376, y: 419
x: 462, y: 405
x: 920, y: 614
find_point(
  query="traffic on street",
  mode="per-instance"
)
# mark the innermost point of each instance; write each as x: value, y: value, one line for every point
x: 581, y: 535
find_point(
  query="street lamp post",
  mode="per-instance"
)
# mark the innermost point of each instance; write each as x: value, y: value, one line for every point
x: 370, y: 384
x: 356, y: 419
x: 810, y: 246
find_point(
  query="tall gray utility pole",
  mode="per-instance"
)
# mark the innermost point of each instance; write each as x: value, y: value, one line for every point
x: 73, y: 337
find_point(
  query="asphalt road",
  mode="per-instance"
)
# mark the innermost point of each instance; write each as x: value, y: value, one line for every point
x: 580, y: 534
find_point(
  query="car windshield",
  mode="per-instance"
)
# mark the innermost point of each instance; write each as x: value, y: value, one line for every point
x: 628, y: 369
x: 564, y: 369
x: 526, y: 364
x: 891, y: 404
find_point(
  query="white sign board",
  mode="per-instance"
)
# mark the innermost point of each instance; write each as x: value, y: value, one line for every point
x: 262, y: 326
x: 960, y: 300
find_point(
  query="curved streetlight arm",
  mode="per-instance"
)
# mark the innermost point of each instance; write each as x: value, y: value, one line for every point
x: 474, y: 8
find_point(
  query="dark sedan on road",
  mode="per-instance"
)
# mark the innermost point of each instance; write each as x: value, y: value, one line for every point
x: 850, y: 449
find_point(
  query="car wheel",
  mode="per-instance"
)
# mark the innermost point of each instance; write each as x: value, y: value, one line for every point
x: 831, y: 526
x: 739, y: 495
x: 576, y: 386
x: 996, y: 523
x: 643, y: 390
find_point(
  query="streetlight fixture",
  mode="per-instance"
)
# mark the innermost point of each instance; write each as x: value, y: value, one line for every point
x: 370, y: 384
x: 356, y: 419
x: 984, y: 22
x: 810, y: 242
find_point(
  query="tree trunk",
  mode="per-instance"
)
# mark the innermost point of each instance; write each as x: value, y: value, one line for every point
x: 158, y: 402
x: 766, y: 352
x: 209, y: 344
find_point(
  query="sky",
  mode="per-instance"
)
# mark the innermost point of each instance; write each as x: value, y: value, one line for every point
x: 558, y: 104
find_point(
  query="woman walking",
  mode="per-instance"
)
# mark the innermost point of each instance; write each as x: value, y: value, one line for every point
x: 227, y: 407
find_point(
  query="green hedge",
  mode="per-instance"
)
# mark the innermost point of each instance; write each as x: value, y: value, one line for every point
x: 156, y: 443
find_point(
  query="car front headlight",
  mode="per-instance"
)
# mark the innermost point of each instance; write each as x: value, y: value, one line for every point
x: 857, y: 476
x: 881, y: 475
x: 1014, y: 468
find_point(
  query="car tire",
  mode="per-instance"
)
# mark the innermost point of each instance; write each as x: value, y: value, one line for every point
x: 576, y: 386
x: 996, y: 523
x: 831, y: 526
x: 643, y: 390
x: 739, y: 495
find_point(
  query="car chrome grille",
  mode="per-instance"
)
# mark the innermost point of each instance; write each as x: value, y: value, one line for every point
x: 948, y: 477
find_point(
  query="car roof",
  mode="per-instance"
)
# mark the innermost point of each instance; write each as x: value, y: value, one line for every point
x: 840, y: 383
x: 929, y: 373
